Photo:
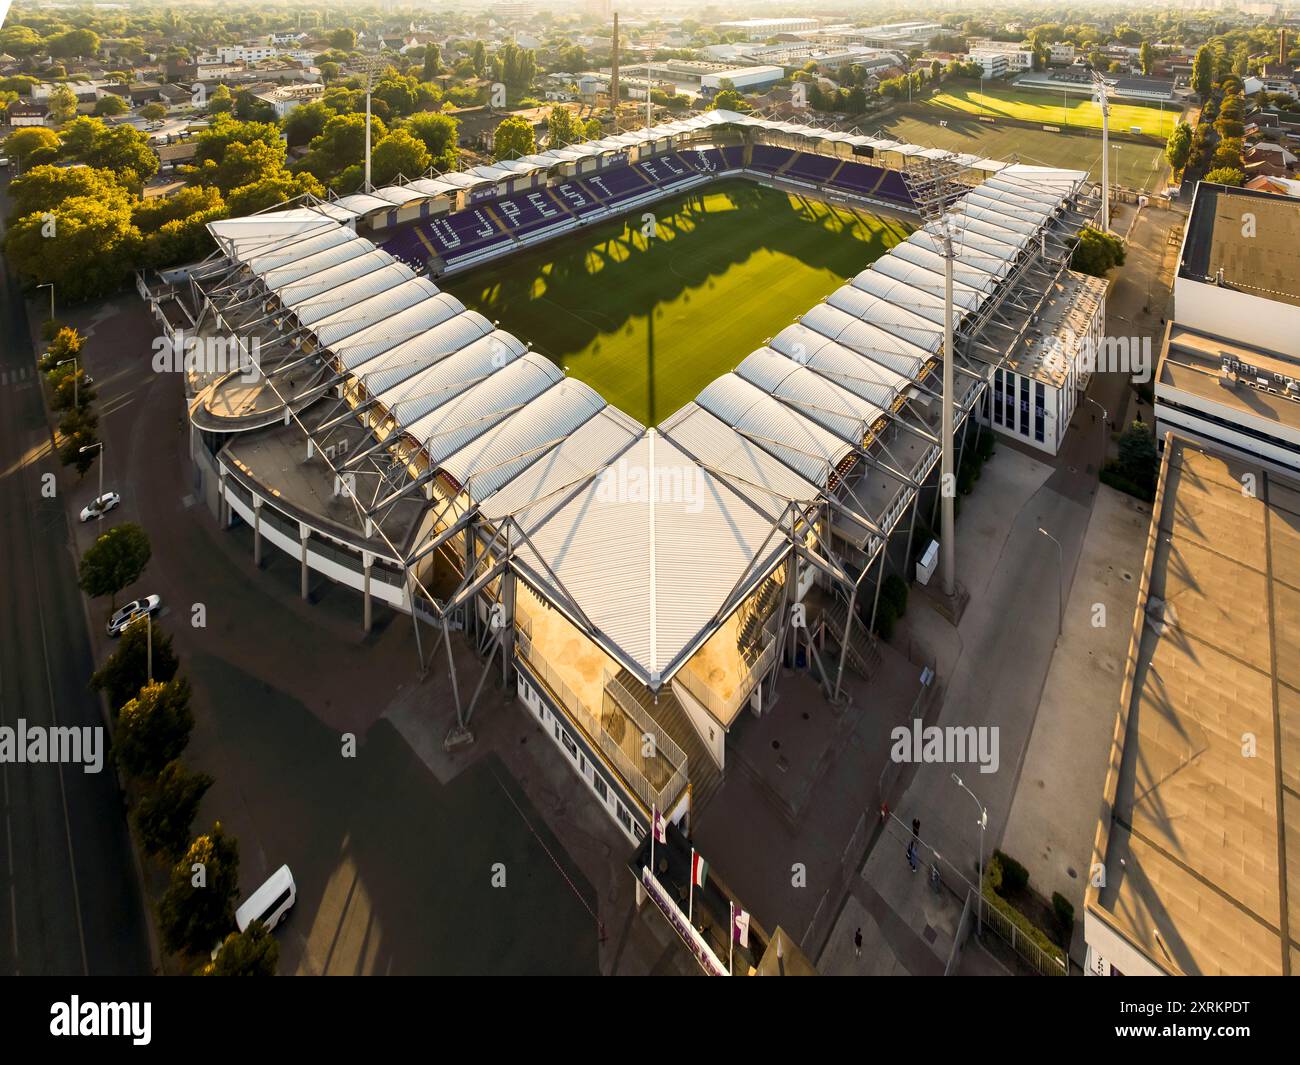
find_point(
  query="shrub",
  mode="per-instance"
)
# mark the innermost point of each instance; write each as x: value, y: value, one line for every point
x: 1014, y: 876
x: 1064, y: 910
x: 886, y: 619
x: 894, y: 592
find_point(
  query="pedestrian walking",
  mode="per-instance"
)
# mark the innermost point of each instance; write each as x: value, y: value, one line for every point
x: 911, y: 854
x: 857, y: 942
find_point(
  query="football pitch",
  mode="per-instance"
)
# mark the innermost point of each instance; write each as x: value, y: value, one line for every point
x: 648, y: 321
x: 1141, y: 166
x: 1056, y: 109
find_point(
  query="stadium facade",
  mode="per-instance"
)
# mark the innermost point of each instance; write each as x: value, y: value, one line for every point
x: 638, y: 586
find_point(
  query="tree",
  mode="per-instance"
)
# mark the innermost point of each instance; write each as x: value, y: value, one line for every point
x: 479, y: 59
x: 341, y: 144
x: 344, y: 39
x: 22, y: 143
x: 440, y: 135
x: 42, y: 188
x: 730, y: 100
x: 1203, y: 72
x: 154, y: 112
x: 514, y: 138
x: 1226, y: 175
x: 221, y: 101
x: 1097, y: 252
x: 115, y: 560
x: 1139, y: 460
x: 1147, y: 58
x: 62, y: 103
x: 398, y: 154
x: 270, y: 190
x: 110, y: 104
x: 432, y: 62
x: 125, y: 671
x: 167, y: 810
x: 94, y: 253
x: 936, y: 71
x: 252, y: 952
x: 561, y: 129
x: 121, y: 149
x: 1228, y: 153
x: 305, y: 122
x: 154, y: 728
x: 74, y: 43
x: 1179, y: 146
x: 198, y: 908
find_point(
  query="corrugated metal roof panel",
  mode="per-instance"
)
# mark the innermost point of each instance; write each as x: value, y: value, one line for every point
x: 845, y: 414
x: 300, y: 269
x: 807, y: 448
x: 869, y: 339
x: 454, y: 424
x: 263, y: 256
x: 872, y: 378
x: 295, y: 294
x: 348, y: 294
x: 546, y: 485
x: 362, y: 203
x: 928, y: 257
x: 367, y: 310
x: 892, y: 318
x: 927, y: 279
x: 383, y: 374
x: 489, y: 461
x: 359, y: 348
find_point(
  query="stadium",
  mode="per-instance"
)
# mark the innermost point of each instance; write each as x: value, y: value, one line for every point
x: 628, y: 580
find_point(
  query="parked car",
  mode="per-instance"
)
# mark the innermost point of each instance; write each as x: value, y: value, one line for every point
x: 97, y: 508
x: 126, y: 614
x: 267, y: 904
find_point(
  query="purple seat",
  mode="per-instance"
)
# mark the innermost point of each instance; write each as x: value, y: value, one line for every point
x: 767, y: 158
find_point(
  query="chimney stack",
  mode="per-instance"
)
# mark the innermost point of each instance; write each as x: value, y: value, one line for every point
x: 1281, y: 45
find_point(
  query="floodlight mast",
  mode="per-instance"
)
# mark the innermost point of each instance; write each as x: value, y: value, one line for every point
x: 933, y: 185
x: 1103, y: 100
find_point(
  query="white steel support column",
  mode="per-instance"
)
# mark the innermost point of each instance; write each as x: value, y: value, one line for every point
x: 947, y: 480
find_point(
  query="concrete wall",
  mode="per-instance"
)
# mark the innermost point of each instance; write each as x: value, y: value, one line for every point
x: 1252, y: 320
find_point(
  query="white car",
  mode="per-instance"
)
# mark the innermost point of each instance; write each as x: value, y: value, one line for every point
x: 137, y: 608
x: 97, y: 508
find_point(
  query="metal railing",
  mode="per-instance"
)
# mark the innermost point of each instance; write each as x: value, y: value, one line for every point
x: 1031, y: 953
x: 666, y: 759
x: 723, y: 708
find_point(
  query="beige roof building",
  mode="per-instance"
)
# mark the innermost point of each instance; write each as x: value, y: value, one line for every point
x: 1196, y: 865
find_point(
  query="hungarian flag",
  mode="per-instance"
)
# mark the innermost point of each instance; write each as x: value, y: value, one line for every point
x: 740, y: 926
x: 699, y: 869
x: 660, y: 829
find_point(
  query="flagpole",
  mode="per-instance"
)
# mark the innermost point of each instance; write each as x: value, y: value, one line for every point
x: 690, y: 905
x: 654, y: 831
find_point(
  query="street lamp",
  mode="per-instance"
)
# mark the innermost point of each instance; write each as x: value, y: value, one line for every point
x: 50, y: 286
x: 1104, y: 421
x: 76, y: 372
x: 1060, y: 586
x: 983, y: 823
x: 91, y: 447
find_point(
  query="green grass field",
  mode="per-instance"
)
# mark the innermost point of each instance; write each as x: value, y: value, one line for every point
x: 1141, y: 166
x: 1055, y: 109
x: 649, y: 323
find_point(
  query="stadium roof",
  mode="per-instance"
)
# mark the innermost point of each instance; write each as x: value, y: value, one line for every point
x: 644, y: 538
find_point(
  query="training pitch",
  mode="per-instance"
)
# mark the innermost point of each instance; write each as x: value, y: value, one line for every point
x: 649, y: 321
x: 1056, y: 109
x: 1140, y: 166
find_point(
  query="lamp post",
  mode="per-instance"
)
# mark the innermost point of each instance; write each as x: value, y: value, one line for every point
x: 50, y: 286
x: 983, y: 823
x: 76, y: 372
x: 1060, y: 582
x: 1105, y: 418
x: 91, y: 447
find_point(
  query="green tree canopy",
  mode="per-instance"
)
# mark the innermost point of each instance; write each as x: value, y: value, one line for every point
x: 1179, y: 146
x: 1097, y: 252
x: 440, y: 135
x: 252, y: 952
x: 198, y: 908
x: 125, y: 671
x: 154, y: 728
x: 87, y: 247
x: 514, y: 138
x: 1226, y: 175
x: 167, y: 810
x: 116, y: 559
x: 399, y: 153
x: 42, y: 188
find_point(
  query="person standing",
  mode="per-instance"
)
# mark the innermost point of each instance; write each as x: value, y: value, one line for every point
x: 857, y: 942
x: 913, y: 844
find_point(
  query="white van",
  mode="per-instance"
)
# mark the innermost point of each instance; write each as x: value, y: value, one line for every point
x: 270, y: 902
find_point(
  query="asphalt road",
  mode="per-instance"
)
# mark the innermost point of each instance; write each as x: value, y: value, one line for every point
x: 70, y: 900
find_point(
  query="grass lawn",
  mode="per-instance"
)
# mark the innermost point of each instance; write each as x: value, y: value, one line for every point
x: 1141, y: 166
x: 649, y: 322
x: 1055, y: 109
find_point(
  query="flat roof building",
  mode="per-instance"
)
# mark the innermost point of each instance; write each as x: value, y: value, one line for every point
x: 1190, y: 872
x: 759, y: 29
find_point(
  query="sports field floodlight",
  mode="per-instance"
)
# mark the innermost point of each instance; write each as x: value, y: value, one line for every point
x: 1103, y: 101
x: 368, y: 65
x: 934, y: 187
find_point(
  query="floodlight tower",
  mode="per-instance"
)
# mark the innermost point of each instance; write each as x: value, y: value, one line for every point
x: 368, y: 65
x: 1103, y: 100
x: 934, y: 189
